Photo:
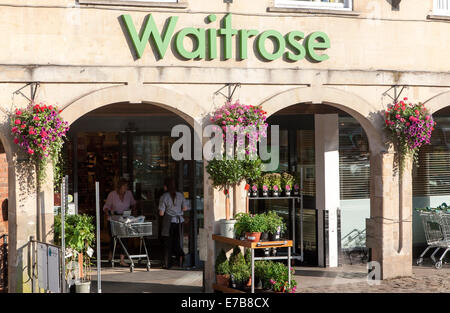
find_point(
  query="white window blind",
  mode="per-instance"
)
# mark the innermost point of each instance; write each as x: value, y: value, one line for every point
x: 315, y: 4
x: 441, y: 7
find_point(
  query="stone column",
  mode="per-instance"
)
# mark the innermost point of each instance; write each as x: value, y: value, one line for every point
x: 327, y: 187
x: 30, y: 214
x: 389, y: 229
x: 214, y: 210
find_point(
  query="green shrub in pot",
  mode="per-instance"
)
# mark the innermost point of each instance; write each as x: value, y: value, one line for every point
x: 79, y: 238
x: 247, y: 223
x: 274, y: 223
x: 222, y: 269
x: 236, y: 256
x: 239, y: 269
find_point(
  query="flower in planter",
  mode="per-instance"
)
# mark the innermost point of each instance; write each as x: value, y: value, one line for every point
x: 287, y: 188
x: 275, y: 188
x: 40, y: 131
x: 296, y: 187
x: 255, y: 188
x: 247, y: 119
x: 265, y: 188
x: 410, y: 126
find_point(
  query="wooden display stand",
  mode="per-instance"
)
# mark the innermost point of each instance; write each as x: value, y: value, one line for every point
x: 252, y: 246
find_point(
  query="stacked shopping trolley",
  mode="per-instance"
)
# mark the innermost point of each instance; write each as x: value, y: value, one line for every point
x: 436, y: 225
x: 131, y: 228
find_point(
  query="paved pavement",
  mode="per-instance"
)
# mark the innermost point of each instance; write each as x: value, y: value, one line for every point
x: 348, y: 279
x: 157, y: 280
x: 353, y: 279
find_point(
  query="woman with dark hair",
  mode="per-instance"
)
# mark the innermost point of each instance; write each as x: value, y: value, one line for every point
x: 172, y: 204
x: 118, y: 201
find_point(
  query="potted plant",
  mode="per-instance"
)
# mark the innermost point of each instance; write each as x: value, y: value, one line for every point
x: 279, y: 278
x: 239, y: 269
x: 252, y: 172
x: 287, y: 181
x: 253, y: 226
x: 264, y: 184
x: 79, y: 237
x: 254, y: 189
x: 222, y: 269
x: 224, y: 174
x: 260, y: 274
x: 275, y: 225
x: 275, y: 184
x: 296, y: 186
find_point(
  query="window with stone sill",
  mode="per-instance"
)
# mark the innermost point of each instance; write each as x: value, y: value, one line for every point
x: 133, y: 2
x: 441, y: 7
x: 315, y: 4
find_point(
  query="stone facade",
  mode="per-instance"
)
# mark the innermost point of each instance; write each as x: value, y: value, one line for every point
x: 79, y: 53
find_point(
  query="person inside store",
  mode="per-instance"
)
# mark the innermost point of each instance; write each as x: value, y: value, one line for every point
x: 118, y: 201
x: 172, y: 205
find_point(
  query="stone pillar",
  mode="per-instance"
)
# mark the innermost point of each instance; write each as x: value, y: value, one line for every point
x: 327, y: 187
x: 214, y: 210
x: 30, y: 214
x: 389, y: 229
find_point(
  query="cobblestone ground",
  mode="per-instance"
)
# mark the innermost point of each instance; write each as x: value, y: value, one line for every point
x: 424, y: 280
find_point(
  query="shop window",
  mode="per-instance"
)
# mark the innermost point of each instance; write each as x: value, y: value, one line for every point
x: 315, y: 4
x: 441, y: 7
x: 432, y: 177
x: 354, y: 162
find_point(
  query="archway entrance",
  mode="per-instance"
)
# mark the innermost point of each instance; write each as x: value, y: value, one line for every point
x: 133, y: 141
x: 308, y: 138
x: 327, y: 149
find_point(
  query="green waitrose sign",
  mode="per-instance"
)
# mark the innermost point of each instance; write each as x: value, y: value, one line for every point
x: 293, y: 46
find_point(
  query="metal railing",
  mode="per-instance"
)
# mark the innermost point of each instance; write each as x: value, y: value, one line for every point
x: 4, y: 263
x: 46, y: 271
x: 441, y: 7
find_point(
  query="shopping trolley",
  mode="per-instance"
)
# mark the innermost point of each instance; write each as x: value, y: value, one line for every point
x: 436, y: 225
x: 121, y: 230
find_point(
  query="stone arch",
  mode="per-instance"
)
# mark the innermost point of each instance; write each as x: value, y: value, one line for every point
x: 438, y: 102
x: 178, y: 103
x: 359, y: 108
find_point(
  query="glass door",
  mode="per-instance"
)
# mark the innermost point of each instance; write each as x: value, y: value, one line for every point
x: 150, y: 163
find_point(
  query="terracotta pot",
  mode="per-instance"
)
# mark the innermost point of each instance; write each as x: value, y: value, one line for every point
x: 253, y: 237
x: 223, y: 280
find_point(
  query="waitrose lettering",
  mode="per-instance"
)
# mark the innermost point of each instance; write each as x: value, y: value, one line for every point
x: 293, y: 46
